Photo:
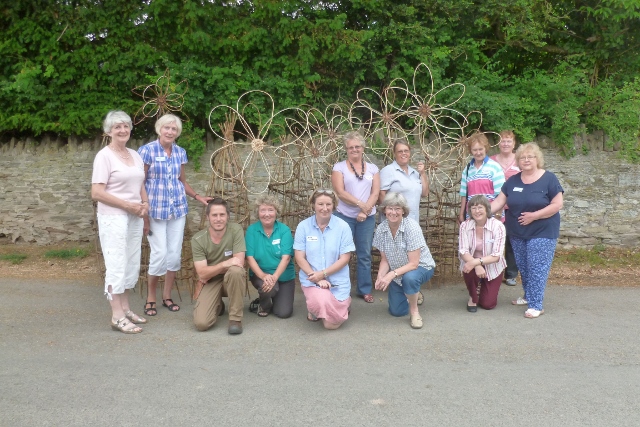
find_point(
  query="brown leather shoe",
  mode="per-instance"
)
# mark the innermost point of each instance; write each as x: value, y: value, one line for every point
x: 235, y: 327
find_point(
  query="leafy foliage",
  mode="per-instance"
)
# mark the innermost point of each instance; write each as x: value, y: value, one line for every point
x: 529, y: 65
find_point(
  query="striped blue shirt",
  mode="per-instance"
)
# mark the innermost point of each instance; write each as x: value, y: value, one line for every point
x: 167, y: 197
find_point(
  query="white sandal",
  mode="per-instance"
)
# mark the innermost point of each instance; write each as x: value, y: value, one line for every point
x: 138, y: 320
x: 532, y: 313
x: 416, y: 321
x: 125, y: 326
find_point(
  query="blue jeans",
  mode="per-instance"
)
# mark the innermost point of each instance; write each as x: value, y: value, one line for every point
x: 363, y: 238
x: 411, y: 283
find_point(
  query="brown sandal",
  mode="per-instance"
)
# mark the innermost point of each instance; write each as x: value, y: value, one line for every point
x: 151, y: 310
x: 170, y: 306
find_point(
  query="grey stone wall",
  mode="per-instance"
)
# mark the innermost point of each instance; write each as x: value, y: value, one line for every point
x: 45, y: 192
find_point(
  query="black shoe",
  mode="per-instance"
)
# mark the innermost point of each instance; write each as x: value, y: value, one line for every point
x: 221, y: 308
x: 472, y: 308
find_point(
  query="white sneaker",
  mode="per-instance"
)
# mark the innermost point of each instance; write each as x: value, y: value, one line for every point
x: 511, y: 282
x: 520, y: 301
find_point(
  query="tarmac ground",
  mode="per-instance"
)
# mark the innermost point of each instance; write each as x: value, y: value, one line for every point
x: 577, y: 365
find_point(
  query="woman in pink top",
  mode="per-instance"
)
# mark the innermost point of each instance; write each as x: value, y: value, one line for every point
x: 507, y: 160
x: 481, y: 248
x: 357, y: 184
x: 117, y: 185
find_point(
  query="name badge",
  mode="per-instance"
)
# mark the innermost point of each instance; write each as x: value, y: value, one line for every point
x: 490, y: 240
x: 312, y: 238
x: 161, y: 159
x: 369, y: 177
x: 228, y: 253
x: 275, y: 242
x: 518, y: 189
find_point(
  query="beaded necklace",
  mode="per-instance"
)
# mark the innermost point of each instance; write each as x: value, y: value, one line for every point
x: 360, y: 177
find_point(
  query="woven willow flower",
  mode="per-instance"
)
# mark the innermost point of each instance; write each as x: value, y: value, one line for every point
x: 160, y: 98
x: 261, y: 162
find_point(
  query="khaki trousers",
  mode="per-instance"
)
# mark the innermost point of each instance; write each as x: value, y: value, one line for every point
x: 207, y: 307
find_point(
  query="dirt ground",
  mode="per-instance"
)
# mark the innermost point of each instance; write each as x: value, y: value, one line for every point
x: 618, y: 269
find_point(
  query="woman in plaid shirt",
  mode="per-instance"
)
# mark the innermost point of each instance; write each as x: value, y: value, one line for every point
x: 168, y: 189
x: 406, y: 262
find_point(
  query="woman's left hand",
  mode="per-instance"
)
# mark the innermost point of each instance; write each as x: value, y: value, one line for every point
x: 315, y: 276
x: 420, y: 167
x: 361, y: 217
x: 268, y: 282
x: 468, y: 266
x: 527, y: 218
x: 204, y: 200
x: 480, y: 272
x: 383, y: 282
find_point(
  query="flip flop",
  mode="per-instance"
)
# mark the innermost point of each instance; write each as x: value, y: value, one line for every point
x: 311, y: 317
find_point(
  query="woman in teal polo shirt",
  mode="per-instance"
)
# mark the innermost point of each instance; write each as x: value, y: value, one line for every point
x: 270, y: 259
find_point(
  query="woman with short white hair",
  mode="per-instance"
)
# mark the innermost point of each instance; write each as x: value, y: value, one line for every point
x: 167, y: 187
x: 117, y: 185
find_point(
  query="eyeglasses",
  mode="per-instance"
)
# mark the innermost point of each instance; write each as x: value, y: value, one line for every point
x: 355, y: 147
x: 478, y: 208
x: 403, y: 151
x: 529, y: 158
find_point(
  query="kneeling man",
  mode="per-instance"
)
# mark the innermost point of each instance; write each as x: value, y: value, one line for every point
x: 218, y: 257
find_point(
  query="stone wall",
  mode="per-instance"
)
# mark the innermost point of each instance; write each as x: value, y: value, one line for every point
x: 45, y: 192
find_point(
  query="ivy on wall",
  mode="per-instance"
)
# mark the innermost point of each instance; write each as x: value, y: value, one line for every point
x: 529, y: 65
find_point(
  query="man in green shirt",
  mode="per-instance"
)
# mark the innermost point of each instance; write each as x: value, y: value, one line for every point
x: 218, y: 257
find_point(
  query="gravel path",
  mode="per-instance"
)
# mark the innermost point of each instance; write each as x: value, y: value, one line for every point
x: 578, y: 365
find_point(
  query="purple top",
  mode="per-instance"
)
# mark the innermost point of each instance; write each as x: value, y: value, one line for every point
x: 358, y: 188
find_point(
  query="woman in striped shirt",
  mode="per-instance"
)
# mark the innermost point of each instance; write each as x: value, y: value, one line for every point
x: 481, y: 252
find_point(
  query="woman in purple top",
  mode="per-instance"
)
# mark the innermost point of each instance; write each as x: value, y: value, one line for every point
x: 357, y: 184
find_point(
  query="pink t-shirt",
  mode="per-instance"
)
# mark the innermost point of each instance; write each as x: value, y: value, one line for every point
x: 124, y: 182
x: 511, y: 170
x: 358, y: 188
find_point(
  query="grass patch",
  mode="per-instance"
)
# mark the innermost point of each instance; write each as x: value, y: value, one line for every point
x: 599, y: 255
x: 66, y: 253
x: 13, y: 258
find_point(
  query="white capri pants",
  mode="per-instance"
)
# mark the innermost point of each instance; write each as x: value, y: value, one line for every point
x: 121, y: 240
x: 166, y: 245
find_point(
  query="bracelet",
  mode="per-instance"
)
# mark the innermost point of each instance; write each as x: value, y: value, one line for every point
x: 395, y: 274
x: 325, y: 273
x: 144, y: 201
x: 481, y: 262
x: 194, y: 196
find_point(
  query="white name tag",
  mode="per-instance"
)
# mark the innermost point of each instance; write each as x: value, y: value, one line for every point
x: 161, y: 159
x: 275, y: 242
x: 518, y: 189
x: 369, y: 177
x: 312, y: 238
x: 228, y: 253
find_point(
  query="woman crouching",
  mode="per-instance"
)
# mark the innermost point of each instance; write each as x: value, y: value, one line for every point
x: 406, y: 262
x: 323, y: 244
x: 481, y: 252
